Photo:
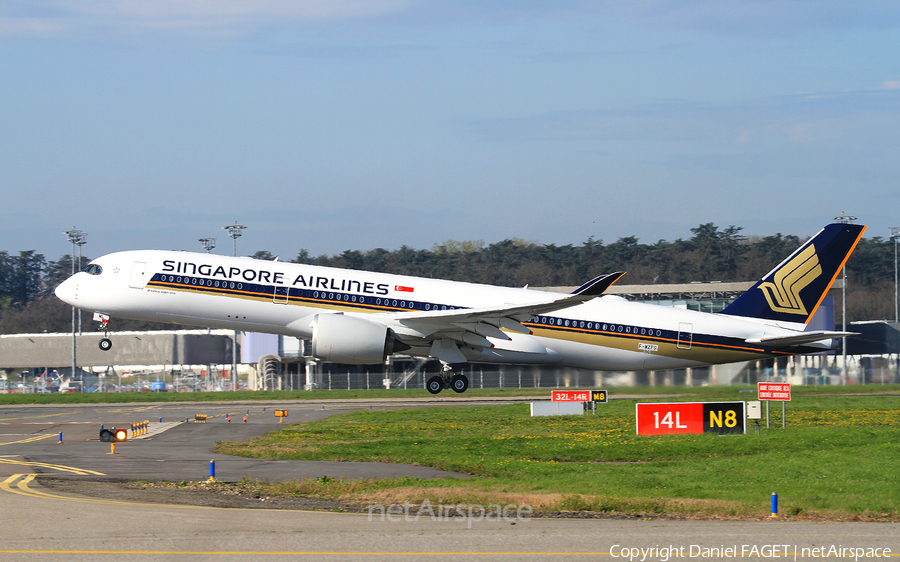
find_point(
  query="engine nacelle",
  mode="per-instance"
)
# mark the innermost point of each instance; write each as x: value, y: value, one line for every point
x: 351, y: 340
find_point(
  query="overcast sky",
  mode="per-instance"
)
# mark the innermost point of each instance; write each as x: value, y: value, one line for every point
x: 354, y: 124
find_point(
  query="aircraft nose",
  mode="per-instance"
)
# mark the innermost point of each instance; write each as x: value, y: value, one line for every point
x: 67, y: 291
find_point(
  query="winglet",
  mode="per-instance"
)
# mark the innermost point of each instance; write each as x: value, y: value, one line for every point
x: 598, y: 285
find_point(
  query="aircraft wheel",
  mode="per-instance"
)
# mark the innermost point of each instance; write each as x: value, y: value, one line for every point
x: 459, y: 383
x: 435, y: 385
x: 105, y: 344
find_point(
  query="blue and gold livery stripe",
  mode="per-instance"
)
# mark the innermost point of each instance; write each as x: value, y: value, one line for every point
x: 280, y: 294
x: 626, y: 337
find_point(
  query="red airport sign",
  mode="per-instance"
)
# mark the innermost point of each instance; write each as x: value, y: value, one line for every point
x: 691, y: 417
x: 570, y: 395
x: 774, y: 391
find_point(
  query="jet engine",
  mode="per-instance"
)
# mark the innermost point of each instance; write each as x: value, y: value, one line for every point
x: 351, y: 340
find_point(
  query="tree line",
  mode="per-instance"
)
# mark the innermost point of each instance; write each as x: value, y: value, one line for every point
x: 27, y: 280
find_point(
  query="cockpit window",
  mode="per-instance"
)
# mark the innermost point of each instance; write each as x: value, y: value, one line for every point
x: 93, y: 269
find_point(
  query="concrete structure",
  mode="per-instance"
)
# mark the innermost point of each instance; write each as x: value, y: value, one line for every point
x: 183, y: 355
x: 183, y: 347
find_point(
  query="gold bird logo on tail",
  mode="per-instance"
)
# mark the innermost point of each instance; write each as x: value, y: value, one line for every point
x: 783, y: 292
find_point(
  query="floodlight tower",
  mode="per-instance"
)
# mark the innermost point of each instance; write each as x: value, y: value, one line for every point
x: 77, y: 238
x: 895, y: 234
x: 844, y: 219
x: 208, y: 244
x: 82, y: 240
x: 235, y: 231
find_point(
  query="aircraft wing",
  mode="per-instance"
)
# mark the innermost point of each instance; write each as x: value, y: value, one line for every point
x: 472, y: 326
x: 801, y: 338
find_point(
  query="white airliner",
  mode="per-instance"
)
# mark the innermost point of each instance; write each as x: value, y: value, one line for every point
x: 359, y: 317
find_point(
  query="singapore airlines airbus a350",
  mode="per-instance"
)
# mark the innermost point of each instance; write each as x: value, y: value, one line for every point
x: 359, y: 317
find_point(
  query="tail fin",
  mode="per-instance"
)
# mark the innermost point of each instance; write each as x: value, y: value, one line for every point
x: 792, y: 291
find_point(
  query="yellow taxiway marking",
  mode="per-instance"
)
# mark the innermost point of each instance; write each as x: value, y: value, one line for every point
x: 5, y: 485
x: 59, y: 467
x: 31, y: 439
x: 25, y: 490
x: 135, y: 409
x: 39, y: 417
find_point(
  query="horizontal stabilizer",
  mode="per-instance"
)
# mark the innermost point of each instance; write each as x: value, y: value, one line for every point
x: 802, y: 338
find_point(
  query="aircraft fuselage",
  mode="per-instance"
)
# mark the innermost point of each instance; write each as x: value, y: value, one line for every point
x: 605, y: 333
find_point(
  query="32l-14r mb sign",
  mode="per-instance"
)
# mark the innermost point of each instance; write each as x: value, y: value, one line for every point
x: 691, y: 417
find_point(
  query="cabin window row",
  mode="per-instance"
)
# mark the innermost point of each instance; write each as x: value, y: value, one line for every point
x: 394, y: 303
x: 315, y: 294
x: 597, y: 326
x: 202, y: 282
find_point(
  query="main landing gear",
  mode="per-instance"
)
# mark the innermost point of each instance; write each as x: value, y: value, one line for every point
x: 448, y: 379
x: 105, y: 342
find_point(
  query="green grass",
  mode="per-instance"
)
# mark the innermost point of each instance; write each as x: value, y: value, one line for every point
x: 837, y: 457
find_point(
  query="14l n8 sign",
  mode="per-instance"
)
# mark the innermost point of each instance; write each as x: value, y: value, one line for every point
x: 691, y: 417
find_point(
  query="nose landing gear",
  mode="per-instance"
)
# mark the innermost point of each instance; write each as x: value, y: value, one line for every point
x: 105, y: 342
